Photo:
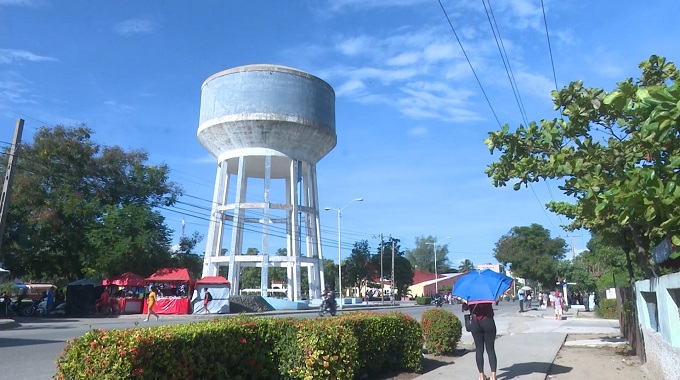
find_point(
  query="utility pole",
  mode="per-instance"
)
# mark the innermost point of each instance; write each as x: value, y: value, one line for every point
x: 9, y: 175
x: 392, y: 296
x: 382, y: 278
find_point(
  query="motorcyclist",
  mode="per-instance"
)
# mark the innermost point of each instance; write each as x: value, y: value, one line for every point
x: 329, y: 297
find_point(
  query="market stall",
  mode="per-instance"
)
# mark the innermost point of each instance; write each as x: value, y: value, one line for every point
x: 219, y: 287
x: 127, y: 292
x: 82, y: 295
x: 175, y: 285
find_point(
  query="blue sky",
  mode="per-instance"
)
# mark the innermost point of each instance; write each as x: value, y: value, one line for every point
x: 410, y: 115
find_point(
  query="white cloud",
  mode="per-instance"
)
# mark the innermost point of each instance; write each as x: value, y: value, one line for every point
x: 440, y: 52
x: 403, y: 59
x: 418, y: 131
x: 8, y: 56
x: 350, y: 87
x: 357, y: 45
x: 118, y: 107
x: 134, y: 26
x: 341, y: 5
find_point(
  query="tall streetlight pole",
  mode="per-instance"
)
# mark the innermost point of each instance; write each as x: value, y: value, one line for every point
x: 339, y: 210
x: 434, y: 251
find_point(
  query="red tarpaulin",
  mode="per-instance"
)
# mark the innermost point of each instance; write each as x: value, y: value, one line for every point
x: 213, y: 280
x: 172, y: 275
x: 125, y: 279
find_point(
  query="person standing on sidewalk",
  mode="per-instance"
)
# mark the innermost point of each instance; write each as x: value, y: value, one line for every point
x: 483, y: 329
x: 520, y: 295
x: 150, y: 301
x: 558, y: 306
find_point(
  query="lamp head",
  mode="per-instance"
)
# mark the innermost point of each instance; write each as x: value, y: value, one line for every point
x: 328, y: 208
x: 359, y: 199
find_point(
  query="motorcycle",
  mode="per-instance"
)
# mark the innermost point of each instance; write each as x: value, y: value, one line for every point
x: 326, y: 308
x: 41, y: 309
x: 28, y: 311
x: 438, y: 301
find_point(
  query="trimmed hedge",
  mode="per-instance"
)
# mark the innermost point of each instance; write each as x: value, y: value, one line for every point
x: 442, y: 331
x: 242, y: 347
x: 423, y: 300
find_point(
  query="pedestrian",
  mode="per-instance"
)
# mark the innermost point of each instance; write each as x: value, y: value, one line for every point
x: 50, y: 300
x: 529, y: 300
x: 150, y: 301
x: 207, y: 297
x: 545, y: 300
x: 521, y: 300
x: 483, y: 329
x: 558, y: 306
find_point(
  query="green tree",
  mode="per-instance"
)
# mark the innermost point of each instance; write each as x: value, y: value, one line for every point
x: 250, y: 277
x: 618, y: 154
x: 422, y: 257
x: 357, y: 269
x: 330, y: 273
x: 403, y: 271
x: 184, y: 256
x: 466, y: 266
x: 531, y: 253
x: 69, y: 192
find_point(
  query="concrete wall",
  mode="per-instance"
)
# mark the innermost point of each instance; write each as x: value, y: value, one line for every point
x: 658, y: 304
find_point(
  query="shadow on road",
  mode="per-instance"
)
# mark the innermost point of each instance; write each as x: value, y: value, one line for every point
x: 17, y: 342
x: 521, y: 369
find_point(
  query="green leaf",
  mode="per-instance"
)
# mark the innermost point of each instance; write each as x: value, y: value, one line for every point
x: 675, y: 239
x: 517, y: 186
x: 650, y: 213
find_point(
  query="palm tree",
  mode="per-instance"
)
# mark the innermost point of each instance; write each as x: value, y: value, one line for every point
x: 466, y: 266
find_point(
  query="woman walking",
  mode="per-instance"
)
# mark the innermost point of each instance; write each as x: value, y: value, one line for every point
x: 483, y: 329
x: 150, y: 301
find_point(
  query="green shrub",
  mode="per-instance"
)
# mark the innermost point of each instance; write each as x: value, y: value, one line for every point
x: 423, y: 300
x: 442, y: 331
x: 607, y: 309
x: 385, y: 341
x: 243, y: 347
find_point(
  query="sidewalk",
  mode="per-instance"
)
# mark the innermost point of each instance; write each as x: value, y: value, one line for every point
x: 527, y: 345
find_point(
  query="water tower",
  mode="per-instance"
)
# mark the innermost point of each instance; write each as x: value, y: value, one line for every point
x: 267, y: 126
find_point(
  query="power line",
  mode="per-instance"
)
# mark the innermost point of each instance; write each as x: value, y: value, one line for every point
x: 469, y: 63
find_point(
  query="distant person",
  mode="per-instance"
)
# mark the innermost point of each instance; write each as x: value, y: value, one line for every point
x: 50, y: 300
x: 558, y: 306
x: 520, y: 295
x: 483, y: 329
x: 150, y: 302
x: 207, y: 297
x: 103, y: 300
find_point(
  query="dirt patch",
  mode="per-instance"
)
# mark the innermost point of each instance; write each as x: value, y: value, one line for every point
x: 578, y: 363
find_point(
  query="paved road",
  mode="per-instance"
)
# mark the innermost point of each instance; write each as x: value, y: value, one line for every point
x: 29, y: 351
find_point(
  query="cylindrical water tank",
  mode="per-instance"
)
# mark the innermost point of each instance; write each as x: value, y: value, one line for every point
x: 267, y: 110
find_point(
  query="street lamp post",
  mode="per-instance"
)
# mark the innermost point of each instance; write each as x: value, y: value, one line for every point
x: 434, y: 250
x: 339, y: 210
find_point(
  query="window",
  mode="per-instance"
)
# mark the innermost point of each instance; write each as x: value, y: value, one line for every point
x: 652, y: 310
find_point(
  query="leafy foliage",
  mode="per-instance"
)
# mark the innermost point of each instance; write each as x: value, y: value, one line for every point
x: 248, y: 348
x: 618, y: 154
x: 466, y: 266
x: 422, y: 257
x: 357, y: 269
x: 79, y: 208
x: 442, y: 331
x: 403, y: 271
x: 607, y: 309
x: 531, y: 253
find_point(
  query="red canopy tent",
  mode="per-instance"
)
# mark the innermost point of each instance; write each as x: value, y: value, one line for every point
x: 172, y: 305
x: 213, y: 280
x: 125, y: 279
x: 128, y: 303
x: 172, y: 275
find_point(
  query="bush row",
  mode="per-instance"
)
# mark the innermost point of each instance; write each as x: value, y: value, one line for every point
x: 243, y: 347
x: 607, y: 309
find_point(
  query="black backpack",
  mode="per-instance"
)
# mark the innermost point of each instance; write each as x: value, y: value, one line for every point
x: 208, y: 296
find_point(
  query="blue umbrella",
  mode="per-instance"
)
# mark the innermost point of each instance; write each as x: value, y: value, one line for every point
x: 484, y: 286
